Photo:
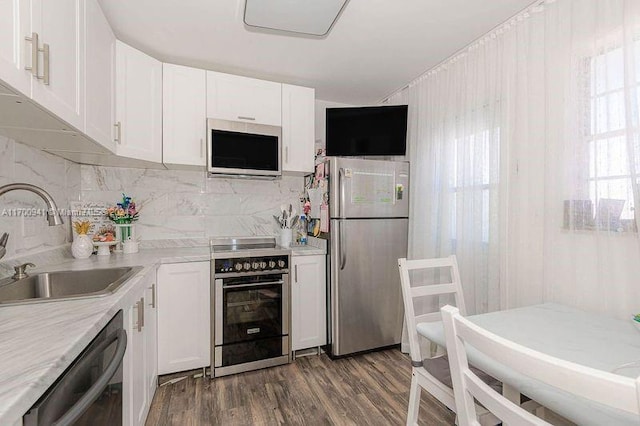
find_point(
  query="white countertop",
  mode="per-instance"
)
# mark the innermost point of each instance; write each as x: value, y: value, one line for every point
x: 307, y: 251
x: 315, y: 246
x: 39, y: 341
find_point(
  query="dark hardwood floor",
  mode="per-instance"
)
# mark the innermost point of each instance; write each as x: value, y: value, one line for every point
x: 370, y: 389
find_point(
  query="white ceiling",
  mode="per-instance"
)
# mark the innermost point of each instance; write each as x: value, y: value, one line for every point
x: 375, y: 47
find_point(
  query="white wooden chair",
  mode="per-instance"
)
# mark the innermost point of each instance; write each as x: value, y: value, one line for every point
x: 615, y: 391
x: 432, y: 374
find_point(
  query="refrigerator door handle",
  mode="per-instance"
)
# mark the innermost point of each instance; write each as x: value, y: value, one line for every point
x: 343, y: 249
x: 342, y: 195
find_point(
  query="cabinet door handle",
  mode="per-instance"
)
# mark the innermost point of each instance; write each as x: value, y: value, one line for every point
x: 34, y: 54
x: 140, y: 308
x: 45, y: 64
x: 241, y: 117
x: 201, y: 148
x: 139, y: 320
x: 286, y: 154
x: 118, y: 137
x: 295, y: 269
x: 153, y: 296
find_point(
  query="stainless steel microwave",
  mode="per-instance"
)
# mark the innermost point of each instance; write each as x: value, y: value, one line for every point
x: 240, y: 149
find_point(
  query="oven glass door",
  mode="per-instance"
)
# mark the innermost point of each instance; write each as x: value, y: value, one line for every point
x: 254, y: 319
x: 252, y: 311
x: 244, y: 151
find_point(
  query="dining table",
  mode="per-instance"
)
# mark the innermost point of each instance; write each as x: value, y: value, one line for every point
x: 590, y: 339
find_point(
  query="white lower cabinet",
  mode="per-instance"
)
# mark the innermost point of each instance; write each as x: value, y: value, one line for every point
x: 184, y: 333
x: 138, y: 400
x: 151, y: 339
x: 308, y: 302
x: 140, y: 362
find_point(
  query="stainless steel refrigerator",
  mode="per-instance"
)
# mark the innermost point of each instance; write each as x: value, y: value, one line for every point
x: 369, y: 210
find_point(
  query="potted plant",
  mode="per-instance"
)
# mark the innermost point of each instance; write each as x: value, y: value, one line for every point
x: 123, y: 214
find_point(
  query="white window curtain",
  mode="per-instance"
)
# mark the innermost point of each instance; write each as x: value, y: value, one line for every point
x: 573, y: 142
x: 525, y: 154
x: 454, y: 149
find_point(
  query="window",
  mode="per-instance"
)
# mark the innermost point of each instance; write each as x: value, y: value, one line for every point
x: 612, y: 139
x: 473, y: 182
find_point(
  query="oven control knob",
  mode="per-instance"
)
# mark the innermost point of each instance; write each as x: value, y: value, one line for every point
x: 263, y: 265
x: 281, y: 264
x: 272, y: 264
x: 255, y: 265
x: 247, y: 266
x: 238, y: 266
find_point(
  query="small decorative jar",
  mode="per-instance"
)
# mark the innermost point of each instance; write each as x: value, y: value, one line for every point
x: 82, y: 246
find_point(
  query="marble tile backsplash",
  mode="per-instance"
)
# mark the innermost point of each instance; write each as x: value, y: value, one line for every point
x: 178, y: 204
x: 174, y: 204
x: 57, y: 176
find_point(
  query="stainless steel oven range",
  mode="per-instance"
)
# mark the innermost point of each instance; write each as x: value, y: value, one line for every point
x: 250, y: 305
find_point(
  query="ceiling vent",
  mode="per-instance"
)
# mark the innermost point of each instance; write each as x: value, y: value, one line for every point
x: 309, y: 17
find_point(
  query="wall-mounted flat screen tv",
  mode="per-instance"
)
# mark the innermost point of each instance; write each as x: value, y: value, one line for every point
x: 366, y: 131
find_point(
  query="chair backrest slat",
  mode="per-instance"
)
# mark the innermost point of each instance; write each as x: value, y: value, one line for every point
x: 606, y: 388
x: 433, y: 290
x: 501, y: 408
x: 440, y: 262
x: 411, y: 293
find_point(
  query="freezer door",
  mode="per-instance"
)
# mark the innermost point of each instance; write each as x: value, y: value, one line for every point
x: 366, y: 304
x: 368, y: 188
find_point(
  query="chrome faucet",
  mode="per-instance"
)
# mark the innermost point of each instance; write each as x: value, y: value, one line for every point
x: 53, y: 215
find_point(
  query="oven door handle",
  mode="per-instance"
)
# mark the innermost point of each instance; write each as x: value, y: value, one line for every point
x: 94, y: 392
x: 253, y: 284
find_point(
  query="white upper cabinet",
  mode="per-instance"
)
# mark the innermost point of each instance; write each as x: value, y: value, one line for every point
x: 184, y: 116
x: 63, y: 58
x: 60, y: 86
x: 15, y: 51
x: 235, y: 98
x: 298, y: 129
x: 138, y: 104
x: 100, y: 73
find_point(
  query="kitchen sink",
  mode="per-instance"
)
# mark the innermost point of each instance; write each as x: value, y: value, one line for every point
x: 64, y: 285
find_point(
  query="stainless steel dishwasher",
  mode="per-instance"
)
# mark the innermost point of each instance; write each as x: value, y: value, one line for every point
x: 89, y: 392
